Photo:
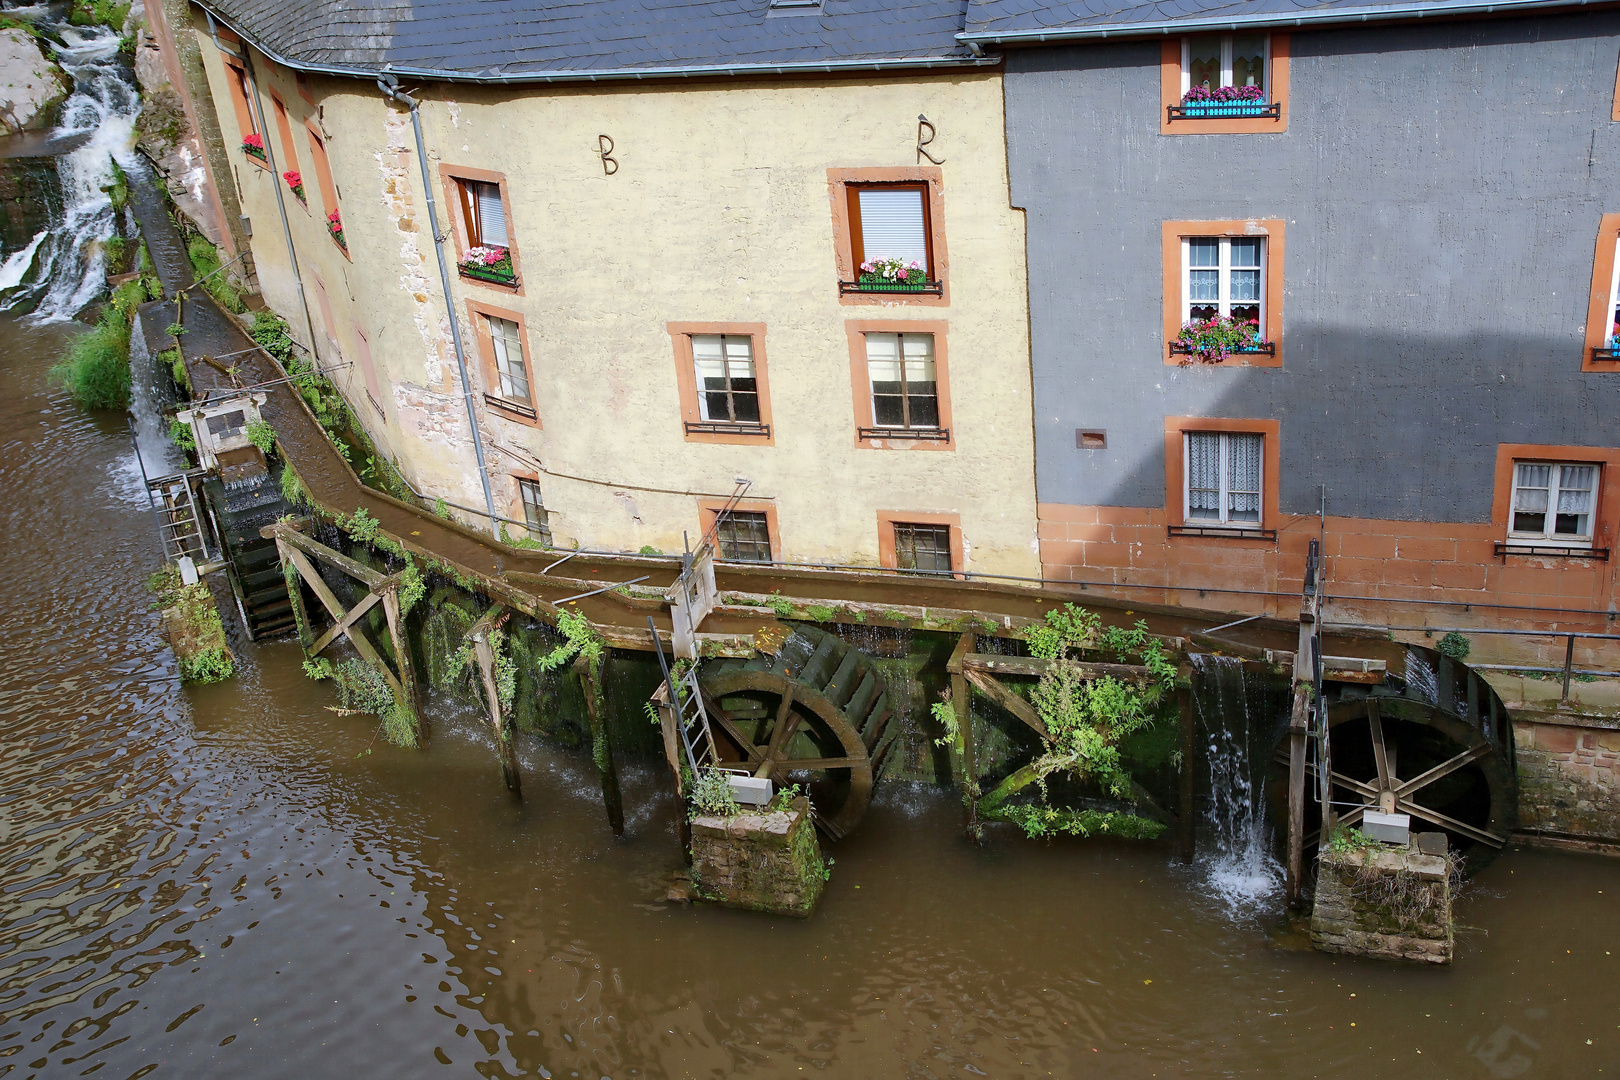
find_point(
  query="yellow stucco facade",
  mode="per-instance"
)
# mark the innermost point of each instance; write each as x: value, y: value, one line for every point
x: 720, y: 206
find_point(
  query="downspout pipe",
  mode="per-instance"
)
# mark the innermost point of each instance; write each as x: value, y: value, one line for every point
x: 275, y: 180
x: 390, y: 88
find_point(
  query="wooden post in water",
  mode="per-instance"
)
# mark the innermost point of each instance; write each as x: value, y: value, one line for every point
x: 1296, y: 792
x: 590, y: 677
x: 1186, y: 820
x: 962, y: 702
x: 295, y: 594
x: 484, y: 652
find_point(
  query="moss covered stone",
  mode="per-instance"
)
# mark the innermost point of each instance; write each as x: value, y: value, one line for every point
x: 1390, y: 904
x: 767, y: 861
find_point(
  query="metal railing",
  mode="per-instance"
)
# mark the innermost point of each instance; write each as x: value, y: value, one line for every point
x: 1225, y: 110
x: 937, y: 434
x: 897, y: 288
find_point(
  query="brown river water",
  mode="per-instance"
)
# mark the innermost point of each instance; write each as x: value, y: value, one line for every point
x: 235, y: 881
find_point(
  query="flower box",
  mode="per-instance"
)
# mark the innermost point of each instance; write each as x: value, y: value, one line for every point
x: 492, y: 264
x: 295, y: 184
x: 334, y: 225
x: 1211, y: 341
x: 253, y: 147
x: 1194, y: 109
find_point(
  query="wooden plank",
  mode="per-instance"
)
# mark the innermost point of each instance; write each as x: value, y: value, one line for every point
x: 964, y: 648
x: 485, y: 653
x: 962, y: 703
x: 402, y: 646
x: 787, y: 722
x: 799, y: 764
x: 295, y: 594
x: 342, y: 625
x: 1008, y: 700
x: 354, y: 569
x: 1294, y: 879
x: 357, y: 636
x: 602, y: 745
x: 1031, y: 665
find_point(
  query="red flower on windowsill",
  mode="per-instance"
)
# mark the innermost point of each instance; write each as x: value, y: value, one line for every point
x: 295, y: 183
x: 334, y: 225
x: 253, y: 145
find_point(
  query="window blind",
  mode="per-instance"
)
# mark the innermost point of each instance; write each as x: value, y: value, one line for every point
x: 491, y: 214
x: 892, y: 225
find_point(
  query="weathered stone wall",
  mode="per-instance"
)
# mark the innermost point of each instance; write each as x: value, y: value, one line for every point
x: 1393, y: 904
x: 760, y: 861
x: 1569, y: 777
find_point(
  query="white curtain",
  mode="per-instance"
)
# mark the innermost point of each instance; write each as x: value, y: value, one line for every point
x: 892, y: 225
x: 491, y: 215
x: 1203, y: 475
x: 1243, y: 477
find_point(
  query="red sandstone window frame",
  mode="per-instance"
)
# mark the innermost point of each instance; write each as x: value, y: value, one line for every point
x: 861, y: 382
x: 1598, y: 310
x: 1175, y: 479
x: 451, y: 176
x: 1271, y: 231
x: 303, y: 87
x: 237, y: 83
x: 478, y: 314
x: 329, y: 191
x: 289, y: 149
x: 1606, y: 509
x: 709, y: 513
x: 841, y: 183
x: 888, y: 519
x: 680, y: 336
x: 1170, y: 59
x: 368, y: 370
x: 517, y: 509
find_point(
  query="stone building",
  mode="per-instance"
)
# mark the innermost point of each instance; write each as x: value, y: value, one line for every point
x: 653, y: 227
x: 1419, y: 217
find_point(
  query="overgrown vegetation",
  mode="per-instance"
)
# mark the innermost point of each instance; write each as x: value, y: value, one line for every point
x: 1086, y: 718
x: 579, y: 639
x: 108, y: 13
x: 1455, y: 646
x: 192, y: 622
x: 205, y: 262
x: 1347, y: 840
x: 711, y: 795
x: 362, y: 688
x: 95, y: 369
x: 262, y: 435
x: 270, y: 332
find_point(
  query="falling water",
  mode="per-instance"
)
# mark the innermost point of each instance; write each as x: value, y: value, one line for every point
x: 1421, y: 677
x: 150, y: 392
x: 1237, y: 864
x: 62, y: 269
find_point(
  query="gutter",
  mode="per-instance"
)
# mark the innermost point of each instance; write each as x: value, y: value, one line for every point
x: 390, y: 89
x: 1332, y: 16
x: 492, y: 76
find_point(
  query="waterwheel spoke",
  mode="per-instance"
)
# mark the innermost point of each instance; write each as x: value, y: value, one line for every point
x: 745, y: 743
x: 1357, y: 786
x: 1375, y: 724
x: 787, y: 722
x: 1445, y: 768
x: 1451, y: 823
x: 800, y: 764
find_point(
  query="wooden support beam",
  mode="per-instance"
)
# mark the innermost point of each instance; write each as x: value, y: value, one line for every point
x: 1296, y: 794
x: 591, y: 678
x: 341, y: 627
x: 484, y: 652
x: 1031, y: 665
x: 962, y: 702
x: 1008, y: 700
x: 354, y: 569
x: 295, y: 596
x: 357, y: 636
x: 402, y: 647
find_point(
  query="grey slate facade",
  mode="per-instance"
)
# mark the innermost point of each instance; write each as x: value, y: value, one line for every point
x: 1442, y: 186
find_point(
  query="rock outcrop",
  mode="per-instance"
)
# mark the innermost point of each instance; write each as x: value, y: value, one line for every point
x: 31, y: 86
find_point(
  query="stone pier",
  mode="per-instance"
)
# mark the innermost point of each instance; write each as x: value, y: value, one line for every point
x: 1389, y: 903
x: 763, y: 861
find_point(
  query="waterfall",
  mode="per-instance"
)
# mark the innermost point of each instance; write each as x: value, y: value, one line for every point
x: 98, y: 120
x: 1235, y: 843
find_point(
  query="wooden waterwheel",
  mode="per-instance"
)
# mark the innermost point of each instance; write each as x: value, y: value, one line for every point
x: 1435, y: 744
x: 817, y: 714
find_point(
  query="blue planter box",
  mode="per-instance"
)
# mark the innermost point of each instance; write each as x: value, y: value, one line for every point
x: 1225, y: 108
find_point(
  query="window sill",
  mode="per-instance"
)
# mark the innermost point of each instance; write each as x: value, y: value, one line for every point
x: 1224, y: 110
x: 1556, y: 551
x: 716, y: 427
x: 910, y: 434
x: 1224, y: 532
x: 1178, y: 348
x: 886, y: 288
x: 508, y: 406
x: 1605, y: 355
x: 258, y: 159
x: 489, y: 277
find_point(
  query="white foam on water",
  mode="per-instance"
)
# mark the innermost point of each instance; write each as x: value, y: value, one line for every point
x: 18, y: 263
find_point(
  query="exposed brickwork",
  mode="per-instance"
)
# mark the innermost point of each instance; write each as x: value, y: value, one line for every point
x: 763, y: 862
x: 1569, y: 780
x: 1392, y: 905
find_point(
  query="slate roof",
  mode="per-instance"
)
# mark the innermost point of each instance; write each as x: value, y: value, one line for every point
x: 521, y: 40
x: 1009, y: 21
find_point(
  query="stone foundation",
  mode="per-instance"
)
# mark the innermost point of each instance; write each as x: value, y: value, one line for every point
x: 760, y: 861
x: 1569, y: 776
x: 1389, y: 903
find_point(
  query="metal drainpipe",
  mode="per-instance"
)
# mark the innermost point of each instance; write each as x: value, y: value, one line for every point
x: 392, y: 91
x: 275, y: 182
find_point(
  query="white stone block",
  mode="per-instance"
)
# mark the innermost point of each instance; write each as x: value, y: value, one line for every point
x: 1390, y: 828
x: 750, y: 790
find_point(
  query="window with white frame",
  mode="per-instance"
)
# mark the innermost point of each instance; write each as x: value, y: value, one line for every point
x: 1553, y: 502
x: 511, y: 371
x: 727, y: 389
x: 1223, y: 276
x: 1223, y: 478
x: 1216, y: 60
x: 534, y: 511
